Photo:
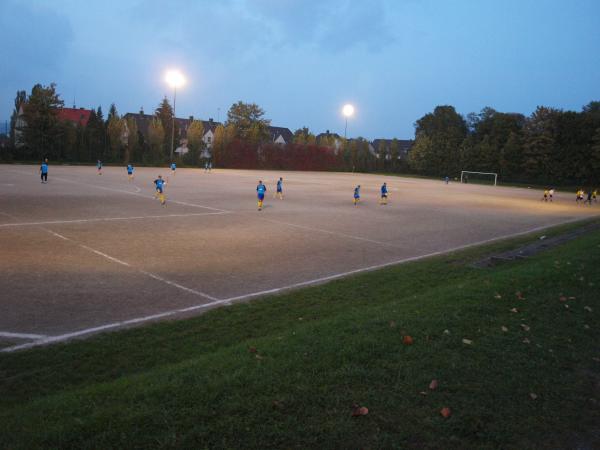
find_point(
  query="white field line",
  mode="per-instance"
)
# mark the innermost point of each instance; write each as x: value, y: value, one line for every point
x: 126, y: 264
x: 107, y: 219
x: 7, y: 334
x: 195, y: 205
x: 227, y: 301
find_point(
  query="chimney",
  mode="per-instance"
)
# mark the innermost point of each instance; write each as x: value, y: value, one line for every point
x: 191, y: 118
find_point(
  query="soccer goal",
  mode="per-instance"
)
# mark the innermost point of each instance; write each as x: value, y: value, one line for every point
x: 478, y: 177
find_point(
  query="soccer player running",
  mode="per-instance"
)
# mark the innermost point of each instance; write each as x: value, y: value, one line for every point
x: 594, y: 195
x: 99, y: 167
x: 551, y: 194
x: 279, y: 192
x: 546, y: 195
x: 130, y: 170
x: 579, y: 196
x: 159, y: 183
x: 590, y: 194
x: 356, y: 195
x: 44, y: 171
x: 260, y: 192
x: 384, y: 194
x: 173, y: 168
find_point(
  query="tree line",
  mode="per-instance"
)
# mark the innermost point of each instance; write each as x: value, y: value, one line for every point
x: 551, y: 146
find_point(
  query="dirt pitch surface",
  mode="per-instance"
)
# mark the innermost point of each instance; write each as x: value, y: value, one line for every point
x: 86, y: 253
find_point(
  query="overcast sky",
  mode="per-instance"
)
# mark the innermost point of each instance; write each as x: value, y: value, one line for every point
x: 301, y: 60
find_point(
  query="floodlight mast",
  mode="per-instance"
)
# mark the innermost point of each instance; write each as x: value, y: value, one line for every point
x: 175, y: 79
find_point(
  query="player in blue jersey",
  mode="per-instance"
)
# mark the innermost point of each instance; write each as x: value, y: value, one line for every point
x: 260, y: 191
x: 173, y: 168
x: 159, y: 183
x: 384, y: 194
x: 44, y: 171
x: 99, y: 167
x: 356, y: 195
x: 130, y: 170
x: 279, y: 192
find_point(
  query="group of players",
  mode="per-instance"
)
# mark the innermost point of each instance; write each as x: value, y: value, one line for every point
x: 591, y: 197
x: 261, y: 189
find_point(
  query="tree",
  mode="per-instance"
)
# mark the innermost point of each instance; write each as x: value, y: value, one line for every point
x: 445, y: 131
x: 195, y: 133
x: 116, y: 137
x: 164, y: 112
x: 133, y: 152
x: 20, y: 100
x: 156, y: 139
x: 248, y: 121
x: 539, y: 146
x: 41, y: 132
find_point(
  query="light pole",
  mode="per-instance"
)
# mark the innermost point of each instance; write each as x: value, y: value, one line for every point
x: 348, y: 111
x: 175, y: 79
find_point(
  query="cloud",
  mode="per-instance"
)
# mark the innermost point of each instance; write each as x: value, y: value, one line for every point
x: 34, y: 39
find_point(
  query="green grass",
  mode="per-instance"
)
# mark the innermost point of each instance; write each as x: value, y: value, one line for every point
x: 196, y: 384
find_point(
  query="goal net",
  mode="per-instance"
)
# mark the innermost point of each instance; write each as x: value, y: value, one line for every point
x: 478, y: 177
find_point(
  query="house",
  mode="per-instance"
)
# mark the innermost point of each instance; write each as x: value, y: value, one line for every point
x: 280, y: 135
x: 76, y: 116
x: 404, y: 146
x: 143, y: 122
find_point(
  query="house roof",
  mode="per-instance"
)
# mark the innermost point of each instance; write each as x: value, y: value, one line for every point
x: 404, y: 145
x: 143, y: 121
x: 285, y: 133
x: 78, y: 116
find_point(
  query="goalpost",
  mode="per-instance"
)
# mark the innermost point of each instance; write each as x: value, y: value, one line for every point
x: 464, y: 176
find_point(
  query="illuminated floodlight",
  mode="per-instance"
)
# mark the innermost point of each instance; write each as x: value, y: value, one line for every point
x: 175, y: 78
x: 348, y: 110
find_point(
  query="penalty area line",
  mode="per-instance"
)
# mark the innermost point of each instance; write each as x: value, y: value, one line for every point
x: 230, y: 300
x: 108, y: 219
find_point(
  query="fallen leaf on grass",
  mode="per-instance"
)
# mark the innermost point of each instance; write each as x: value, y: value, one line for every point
x: 587, y: 308
x: 566, y: 306
x: 526, y: 341
x: 423, y: 393
x: 392, y: 324
x: 562, y: 298
x: 497, y: 296
x: 571, y: 298
x: 433, y: 385
x: 257, y: 356
x: 253, y: 350
x: 586, y: 326
x: 514, y: 310
x: 504, y: 328
x: 467, y: 341
x: 446, y: 331
x: 359, y: 410
x: 525, y: 327
x: 533, y: 396
x: 407, y: 340
x: 446, y: 412
x: 519, y: 295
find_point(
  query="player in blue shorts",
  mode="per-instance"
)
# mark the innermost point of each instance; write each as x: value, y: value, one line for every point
x: 384, y: 194
x: 130, y: 170
x: 159, y: 183
x: 99, y: 167
x: 173, y: 167
x: 279, y: 188
x: 260, y: 191
x: 44, y: 171
x: 356, y: 195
